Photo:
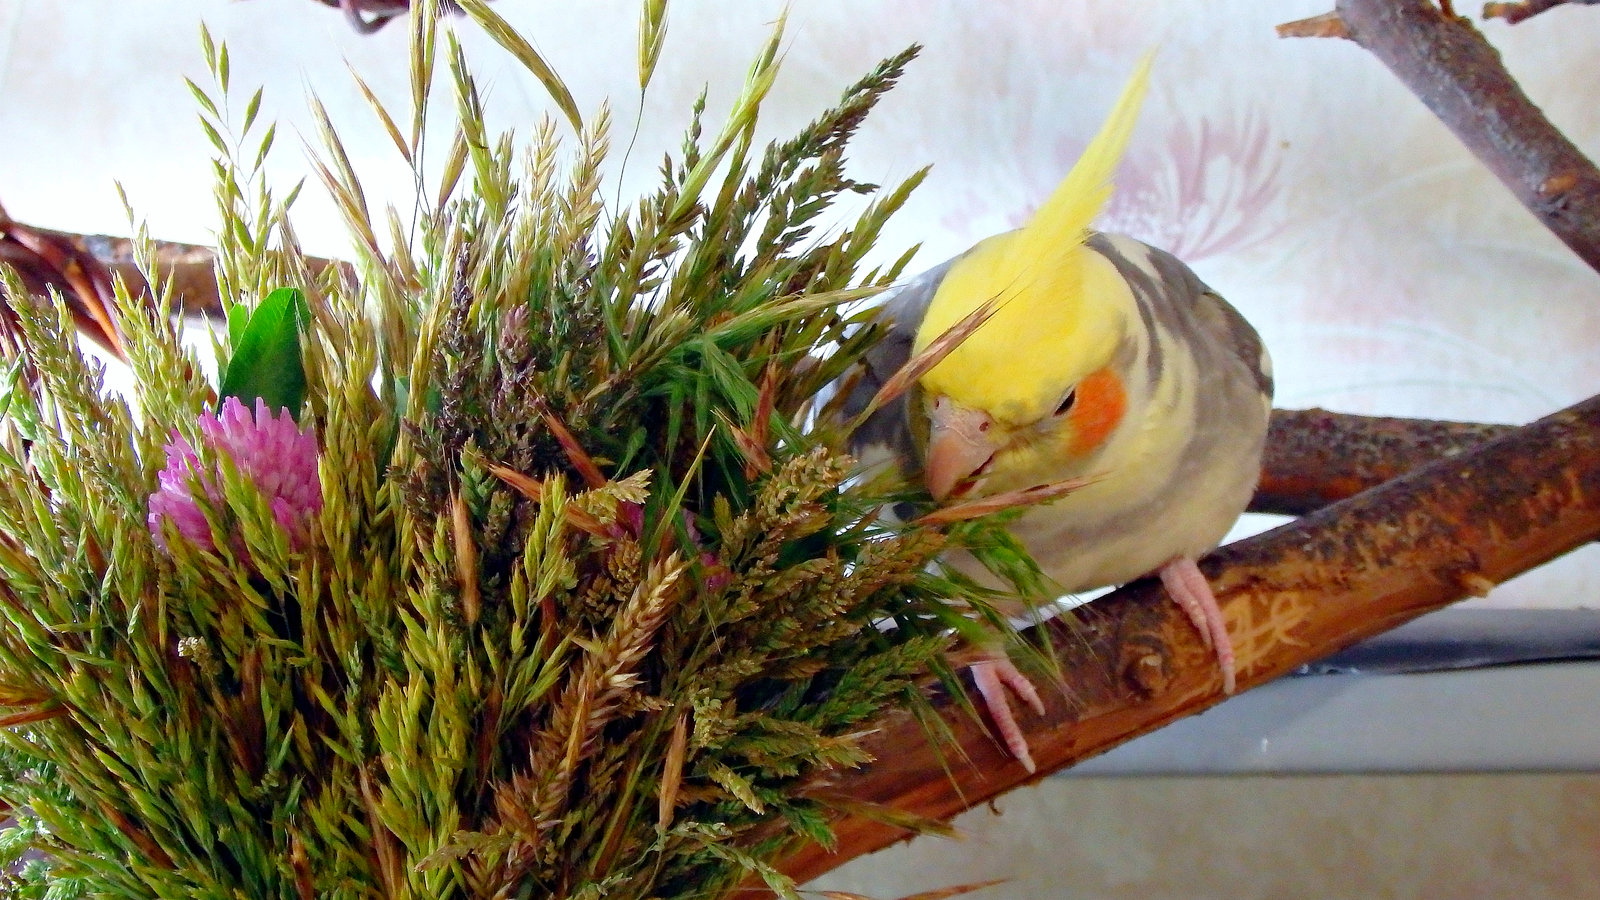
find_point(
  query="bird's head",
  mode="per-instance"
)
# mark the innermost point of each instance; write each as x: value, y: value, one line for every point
x: 1033, y: 393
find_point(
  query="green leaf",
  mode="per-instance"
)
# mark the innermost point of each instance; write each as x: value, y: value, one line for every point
x: 266, y: 360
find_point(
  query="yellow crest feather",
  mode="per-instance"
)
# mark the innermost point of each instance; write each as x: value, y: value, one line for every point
x: 1064, y: 218
x: 1039, y: 274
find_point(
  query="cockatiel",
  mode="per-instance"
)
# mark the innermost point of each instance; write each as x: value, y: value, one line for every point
x: 1104, y: 359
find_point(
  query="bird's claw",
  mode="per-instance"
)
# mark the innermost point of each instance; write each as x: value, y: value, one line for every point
x: 1188, y: 587
x: 993, y: 677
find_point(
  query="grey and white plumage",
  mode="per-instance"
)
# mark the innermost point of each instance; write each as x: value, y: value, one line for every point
x: 1151, y: 500
x: 1167, y: 429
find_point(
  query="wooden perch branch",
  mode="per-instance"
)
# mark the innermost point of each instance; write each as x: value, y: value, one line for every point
x: 50, y: 259
x: 1459, y: 76
x: 1352, y: 570
x: 190, y: 266
x: 1315, y: 457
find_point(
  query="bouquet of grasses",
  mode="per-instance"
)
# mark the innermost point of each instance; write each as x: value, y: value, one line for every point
x: 498, y: 564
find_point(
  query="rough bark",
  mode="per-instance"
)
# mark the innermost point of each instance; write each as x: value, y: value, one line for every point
x: 1315, y: 457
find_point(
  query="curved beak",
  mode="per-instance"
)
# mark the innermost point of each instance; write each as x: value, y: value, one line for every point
x: 960, y: 442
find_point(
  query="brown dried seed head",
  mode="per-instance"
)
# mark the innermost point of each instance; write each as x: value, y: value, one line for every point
x: 466, y: 557
x: 672, y: 772
x: 526, y: 485
x: 983, y: 506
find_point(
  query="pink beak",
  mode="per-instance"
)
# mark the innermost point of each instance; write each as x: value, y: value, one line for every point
x: 959, y: 444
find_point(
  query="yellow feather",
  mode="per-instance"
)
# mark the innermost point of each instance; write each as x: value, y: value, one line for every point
x: 1045, y: 336
x: 1063, y: 221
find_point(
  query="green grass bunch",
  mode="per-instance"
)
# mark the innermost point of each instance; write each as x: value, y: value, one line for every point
x: 585, y: 607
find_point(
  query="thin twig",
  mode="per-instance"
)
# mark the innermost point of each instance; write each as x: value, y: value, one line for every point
x: 1327, y: 25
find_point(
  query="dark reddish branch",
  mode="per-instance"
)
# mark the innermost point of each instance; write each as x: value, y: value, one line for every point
x: 1526, y: 9
x: 46, y: 259
x: 1458, y: 75
x: 1291, y: 596
x: 1315, y: 457
x: 190, y: 266
x: 81, y: 267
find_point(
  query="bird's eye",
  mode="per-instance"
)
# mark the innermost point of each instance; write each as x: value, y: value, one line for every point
x: 1066, y: 404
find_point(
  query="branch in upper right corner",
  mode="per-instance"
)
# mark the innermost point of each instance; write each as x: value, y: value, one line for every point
x: 1520, y: 10
x: 1455, y: 72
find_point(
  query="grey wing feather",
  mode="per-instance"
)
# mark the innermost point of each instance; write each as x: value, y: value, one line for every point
x: 1231, y: 330
x: 886, y: 435
x: 1159, y: 274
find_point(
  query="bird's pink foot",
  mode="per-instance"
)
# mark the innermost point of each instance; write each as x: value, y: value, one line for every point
x: 993, y: 676
x: 1184, y: 583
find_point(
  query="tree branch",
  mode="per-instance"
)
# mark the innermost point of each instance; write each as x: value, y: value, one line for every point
x: 1525, y: 9
x: 1352, y: 570
x: 1315, y: 457
x: 49, y: 259
x: 1458, y: 75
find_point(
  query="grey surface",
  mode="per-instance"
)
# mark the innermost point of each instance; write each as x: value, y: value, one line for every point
x: 1529, y: 718
x: 1481, y: 690
x: 1472, y: 638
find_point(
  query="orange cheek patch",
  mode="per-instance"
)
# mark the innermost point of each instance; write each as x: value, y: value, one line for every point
x: 1099, y: 407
